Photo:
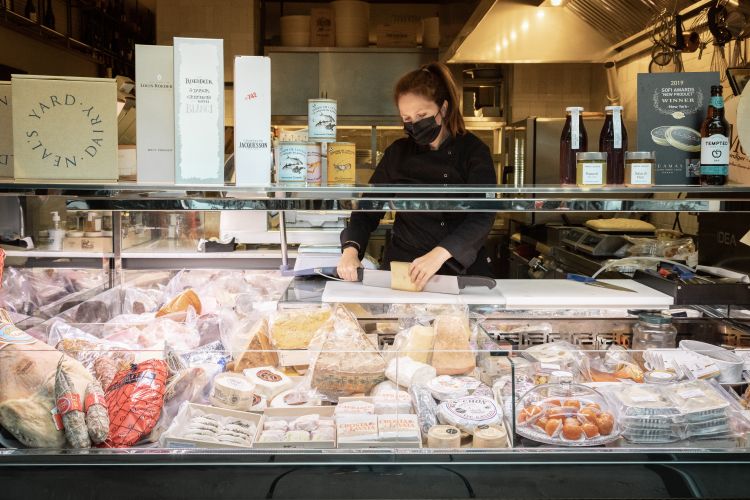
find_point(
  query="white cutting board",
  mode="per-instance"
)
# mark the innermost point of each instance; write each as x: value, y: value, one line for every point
x: 562, y: 293
x: 350, y: 292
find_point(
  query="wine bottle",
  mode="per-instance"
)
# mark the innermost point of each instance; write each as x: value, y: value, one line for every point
x: 30, y: 11
x: 715, y: 142
x: 49, y: 16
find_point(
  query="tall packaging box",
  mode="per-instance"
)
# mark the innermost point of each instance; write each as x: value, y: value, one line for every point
x: 671, y: 108
x: 64, y: 128
x: 154, y: 70
x: 322, y: 29
x: 199, y: 111
x: 252, y: 120
x: 6, y: 132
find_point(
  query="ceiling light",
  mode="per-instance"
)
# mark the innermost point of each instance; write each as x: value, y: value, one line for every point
x: 525, y: 26
x: 505, y: 42
x: 540, y: 13
x: 497, y: 47
x: 556, y: 3
x: 512, y: 35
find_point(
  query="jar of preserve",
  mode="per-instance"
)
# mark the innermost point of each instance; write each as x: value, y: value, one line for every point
x: 591, y: 169
x: 640, y: 168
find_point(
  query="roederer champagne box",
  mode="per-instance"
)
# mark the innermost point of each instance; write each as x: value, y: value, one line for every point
x: 154, y: 70
x: 199, y: 111
x: 6, y: 132
x: 671, y: 108
x: 64, y: 128
x: 252, y: 120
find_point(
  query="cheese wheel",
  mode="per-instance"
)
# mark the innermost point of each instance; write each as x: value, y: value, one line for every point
x: 405, y: 371
x: 444, y: 436
x: 400, y: 279
x: 232, y: 391
x: 490, y: 436
x: 269, y: 382
x: 470, y: 412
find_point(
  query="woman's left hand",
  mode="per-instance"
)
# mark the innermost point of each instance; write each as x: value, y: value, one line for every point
x: 425, y: 267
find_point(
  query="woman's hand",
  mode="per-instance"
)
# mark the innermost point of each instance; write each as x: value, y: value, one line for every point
x: 425, y: 267
x: 348, y: 264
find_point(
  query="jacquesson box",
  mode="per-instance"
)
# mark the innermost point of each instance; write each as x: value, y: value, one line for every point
x: 252, y: 120
x: 64, y: 128
x: 154, y: 70
x: 6, y: 132
x: 671, y: 108
x: 199, y: 110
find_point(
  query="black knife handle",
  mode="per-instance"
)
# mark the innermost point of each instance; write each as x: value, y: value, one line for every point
x: 464, y: 281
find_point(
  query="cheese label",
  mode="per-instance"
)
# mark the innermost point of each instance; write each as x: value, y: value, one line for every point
x: 268, y: 376
x: 691, y: 393
x: 10, y: 335
x: 477, y: 409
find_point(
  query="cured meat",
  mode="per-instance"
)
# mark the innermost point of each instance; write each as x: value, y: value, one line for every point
x: 70, y: 408
x: 27, y: 386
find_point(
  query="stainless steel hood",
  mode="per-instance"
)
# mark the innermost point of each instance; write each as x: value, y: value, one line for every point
x: 512, y: 31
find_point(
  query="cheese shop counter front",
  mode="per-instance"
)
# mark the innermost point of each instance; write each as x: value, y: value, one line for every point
x: 235, y: 383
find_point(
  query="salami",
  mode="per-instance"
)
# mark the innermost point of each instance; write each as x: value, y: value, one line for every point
x: 68, y: 403
x: 97, y: 419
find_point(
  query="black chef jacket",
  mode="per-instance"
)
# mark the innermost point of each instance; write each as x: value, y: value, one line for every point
x: 463, y: 159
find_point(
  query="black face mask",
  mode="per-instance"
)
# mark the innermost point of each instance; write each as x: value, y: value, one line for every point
x: 424, y: 131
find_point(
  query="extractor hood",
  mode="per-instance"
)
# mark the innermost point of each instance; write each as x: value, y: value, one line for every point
x: 513, y: 31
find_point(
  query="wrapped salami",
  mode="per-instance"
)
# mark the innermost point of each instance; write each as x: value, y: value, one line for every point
x: 68, y: 403
x: 97, y: 419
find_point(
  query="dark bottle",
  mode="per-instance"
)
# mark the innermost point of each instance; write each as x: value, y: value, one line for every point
x: 573, y: 140
x: 613, y: 140
x: 49, y: 16
x: 715, y: 142
x: 30, y: 11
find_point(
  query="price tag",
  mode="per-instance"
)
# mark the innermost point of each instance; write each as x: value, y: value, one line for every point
x: 550, y: 366
x: 691, y: 393
x: 645, y: 398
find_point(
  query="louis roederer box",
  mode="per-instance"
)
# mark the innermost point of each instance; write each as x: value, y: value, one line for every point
x: 64, y: 128
x: 252, y: 120
x: 154, y: 70
x: 671, y: 108
x: 6, y: 132
x: 199, y: 111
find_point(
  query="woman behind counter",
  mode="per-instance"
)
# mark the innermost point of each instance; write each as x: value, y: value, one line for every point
x: 437, y: 150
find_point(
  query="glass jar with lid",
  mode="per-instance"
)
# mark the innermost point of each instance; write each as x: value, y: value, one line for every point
x: 653, y: 331
x: 640, y: 168
x: 591, y: 169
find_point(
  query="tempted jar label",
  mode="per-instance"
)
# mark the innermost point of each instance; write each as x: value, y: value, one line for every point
x: 268, y: 376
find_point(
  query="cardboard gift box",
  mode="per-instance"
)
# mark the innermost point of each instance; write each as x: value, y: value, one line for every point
x: 64, y: 128
x: 154, y: 70
x: 6, y: 132
x: 252, y: 120
x: 199, y: 111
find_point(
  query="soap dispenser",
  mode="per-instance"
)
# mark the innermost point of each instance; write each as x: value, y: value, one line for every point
x: 56, y: 234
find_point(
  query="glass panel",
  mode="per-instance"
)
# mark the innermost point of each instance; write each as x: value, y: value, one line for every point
x: 223, y: 366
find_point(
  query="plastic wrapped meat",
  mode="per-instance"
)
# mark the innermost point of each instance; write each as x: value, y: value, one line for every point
x: 27, y: 390
x: 180, y: 336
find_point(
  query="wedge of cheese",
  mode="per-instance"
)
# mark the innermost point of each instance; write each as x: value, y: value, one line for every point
x: 400, y: 279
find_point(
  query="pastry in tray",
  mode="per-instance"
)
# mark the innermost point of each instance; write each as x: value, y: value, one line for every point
x: 697, y: 400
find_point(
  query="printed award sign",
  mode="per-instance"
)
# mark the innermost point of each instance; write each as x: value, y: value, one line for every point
x: 671, y: 108
x: 64, y: 128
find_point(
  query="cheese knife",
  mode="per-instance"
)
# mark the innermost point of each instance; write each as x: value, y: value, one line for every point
x: 439, y: 283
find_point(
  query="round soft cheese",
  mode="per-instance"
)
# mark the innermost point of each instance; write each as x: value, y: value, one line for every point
x: 444, y: 436
x: 232, y: 391
x: 490, y: 436
x: 469, y: 412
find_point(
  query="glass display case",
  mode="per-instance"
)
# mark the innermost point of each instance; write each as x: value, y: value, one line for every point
x: 229, y: 366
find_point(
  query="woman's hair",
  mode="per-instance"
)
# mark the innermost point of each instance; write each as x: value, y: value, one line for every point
x: 434, y: 81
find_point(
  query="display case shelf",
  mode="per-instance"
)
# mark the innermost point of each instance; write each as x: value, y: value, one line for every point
x: 503, y: 198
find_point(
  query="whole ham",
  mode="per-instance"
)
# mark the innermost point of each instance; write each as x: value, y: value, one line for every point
x: 27, y: 386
